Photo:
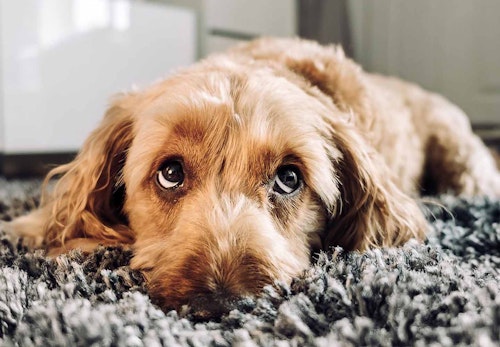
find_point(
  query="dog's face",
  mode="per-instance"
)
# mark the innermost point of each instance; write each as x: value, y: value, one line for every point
x: 226, y: 180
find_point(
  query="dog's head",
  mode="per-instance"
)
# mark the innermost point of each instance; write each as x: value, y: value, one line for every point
x: 224, y: 178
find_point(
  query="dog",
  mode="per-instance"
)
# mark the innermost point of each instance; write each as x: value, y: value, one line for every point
x: 229, y: 175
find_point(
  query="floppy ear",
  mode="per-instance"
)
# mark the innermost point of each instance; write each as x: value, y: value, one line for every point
x: 373, y: 211
x: 84, y: 208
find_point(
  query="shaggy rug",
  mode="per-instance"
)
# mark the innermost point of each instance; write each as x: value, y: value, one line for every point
x: 444, y: 292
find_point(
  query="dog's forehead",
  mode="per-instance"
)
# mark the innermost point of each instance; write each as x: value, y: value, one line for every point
x: 232, y: 111
x: 255, y: 101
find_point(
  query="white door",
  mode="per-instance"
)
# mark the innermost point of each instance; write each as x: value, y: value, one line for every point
x: 448, y: 46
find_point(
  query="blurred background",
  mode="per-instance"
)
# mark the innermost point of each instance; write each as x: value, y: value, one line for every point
x: 61, y: 60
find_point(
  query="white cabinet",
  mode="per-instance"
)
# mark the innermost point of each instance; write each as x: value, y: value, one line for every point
x: 61, y: 60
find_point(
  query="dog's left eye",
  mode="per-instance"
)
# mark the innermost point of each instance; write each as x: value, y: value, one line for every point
x: 287, y: 180
x: 170, y: 175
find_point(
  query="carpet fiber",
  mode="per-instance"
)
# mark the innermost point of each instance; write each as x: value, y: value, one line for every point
x: 444, y: 292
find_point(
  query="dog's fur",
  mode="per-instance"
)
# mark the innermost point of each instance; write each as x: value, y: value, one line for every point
x: 365, y: 145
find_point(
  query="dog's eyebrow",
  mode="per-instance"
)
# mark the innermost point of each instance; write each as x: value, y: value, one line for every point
x: 192, y: 130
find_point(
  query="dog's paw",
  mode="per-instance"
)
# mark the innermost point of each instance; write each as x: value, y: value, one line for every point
x: 21, y: 230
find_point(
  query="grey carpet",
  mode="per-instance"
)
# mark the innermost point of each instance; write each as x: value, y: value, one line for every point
x: 445, y: 292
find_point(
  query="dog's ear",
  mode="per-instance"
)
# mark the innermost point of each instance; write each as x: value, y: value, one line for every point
x: 373, y: 211
x: 86, y: 201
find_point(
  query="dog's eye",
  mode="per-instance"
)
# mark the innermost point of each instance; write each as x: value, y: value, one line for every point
x: 170, y: 175
x: 287, y: 180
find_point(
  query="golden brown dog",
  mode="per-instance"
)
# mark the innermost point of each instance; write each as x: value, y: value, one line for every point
x: 226, y: 176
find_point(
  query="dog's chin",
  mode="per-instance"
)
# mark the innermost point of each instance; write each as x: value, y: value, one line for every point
x: 207, y: 305
x: 214, y: 305
x: 196, y: 294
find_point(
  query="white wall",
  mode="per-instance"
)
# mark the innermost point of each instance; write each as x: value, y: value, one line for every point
x: 448, y: 46
x: 60, y: 61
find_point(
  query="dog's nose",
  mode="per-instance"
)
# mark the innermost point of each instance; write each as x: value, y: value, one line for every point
x: 212, y: 306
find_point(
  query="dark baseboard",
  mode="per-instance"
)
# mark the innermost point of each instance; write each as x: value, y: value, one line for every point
x: 489, y: 133
x: 32, y: 165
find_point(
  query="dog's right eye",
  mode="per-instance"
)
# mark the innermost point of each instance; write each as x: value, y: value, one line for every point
x: 170, y: 175
x: 287, y: 180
